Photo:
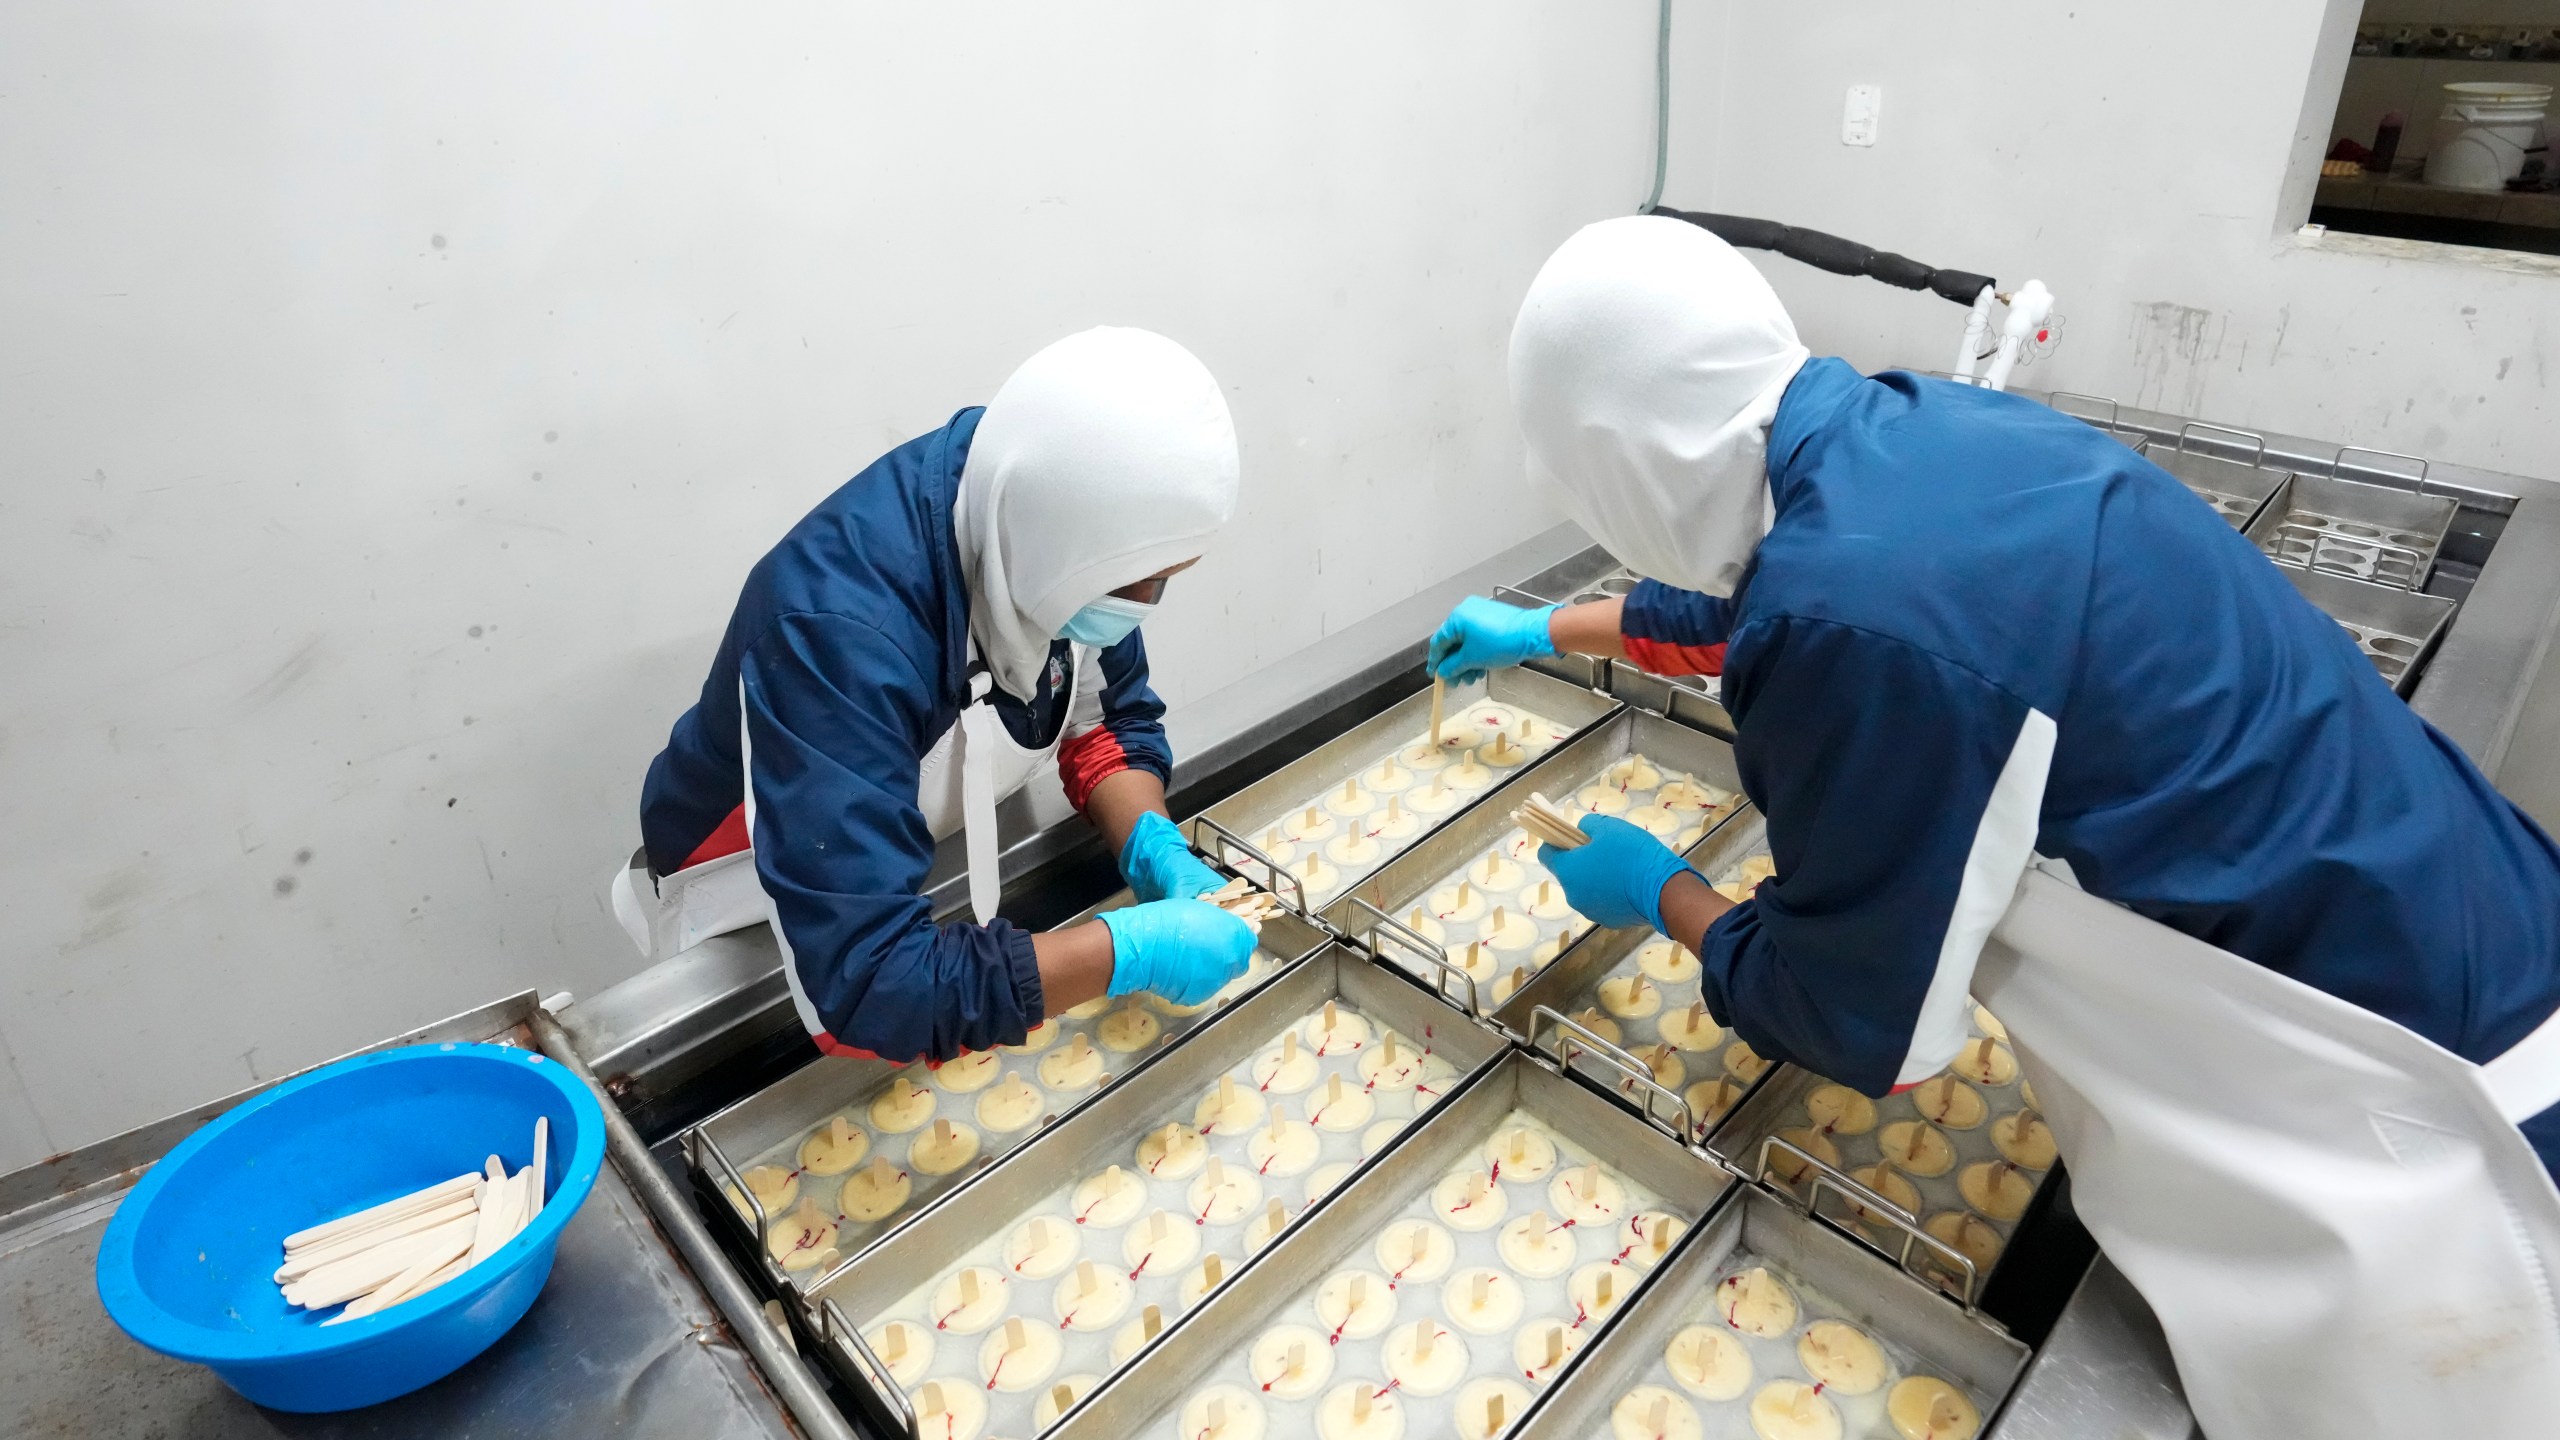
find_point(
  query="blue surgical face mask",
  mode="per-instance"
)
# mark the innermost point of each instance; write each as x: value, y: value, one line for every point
x: 1106, y: 622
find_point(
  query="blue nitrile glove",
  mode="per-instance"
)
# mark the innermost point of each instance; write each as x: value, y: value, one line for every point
x: 1617, y: 879
x: 1183, y: 950
x: 1158, y: 866
x: 1483, y: 635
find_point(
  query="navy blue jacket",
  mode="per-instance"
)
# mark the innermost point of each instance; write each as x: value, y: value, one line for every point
x: 1946, y: 560
x: 849, y: 645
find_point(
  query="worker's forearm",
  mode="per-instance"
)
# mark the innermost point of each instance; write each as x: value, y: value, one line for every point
x: 1075, y: 964
x: 1689, y: 906
x: 1116, y: 803
x: 1590, y: 629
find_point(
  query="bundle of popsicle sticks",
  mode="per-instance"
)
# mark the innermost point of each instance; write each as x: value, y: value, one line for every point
x: 1239, y: 898
x: 1549, y: 823
x: 401, y: 1249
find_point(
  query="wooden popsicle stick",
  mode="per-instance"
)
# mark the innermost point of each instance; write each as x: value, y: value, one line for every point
x: 311, y: 1258
x: 398, y: 1288
x: 440, y: 1193
x: 349, y: 1278
x: 1439, y: 698
x: 1151, y: 1320
x: 451, y: 1271
x: 1424, y: 1332
x: 541, y: 1166
x: 367, y: 1268
x: 489, y: 1228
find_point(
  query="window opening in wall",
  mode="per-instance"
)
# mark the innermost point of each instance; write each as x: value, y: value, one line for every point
x: 2440, y: 130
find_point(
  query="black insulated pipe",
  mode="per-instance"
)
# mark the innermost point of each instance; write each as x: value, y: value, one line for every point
x: 1840, y: 257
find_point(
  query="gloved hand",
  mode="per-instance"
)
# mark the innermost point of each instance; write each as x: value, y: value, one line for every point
x: 1158, y: 866
x: 1483, y: 635
x: 1617, y: 879
x: 1183, y: 950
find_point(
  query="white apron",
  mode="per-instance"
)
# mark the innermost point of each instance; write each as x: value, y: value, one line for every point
x: 974, y: 764
x: 2339, y: 1225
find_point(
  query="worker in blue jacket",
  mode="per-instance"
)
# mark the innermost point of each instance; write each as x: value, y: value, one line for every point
x: 962, y: 612
x: 1957, y: 630
x: 2027, y: 719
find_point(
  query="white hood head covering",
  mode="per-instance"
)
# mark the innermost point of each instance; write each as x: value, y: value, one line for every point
x: 1107, y: 457
x: 1647, y: 363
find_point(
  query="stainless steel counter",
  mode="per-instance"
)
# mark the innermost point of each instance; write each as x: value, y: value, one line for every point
x: 623, y: 1341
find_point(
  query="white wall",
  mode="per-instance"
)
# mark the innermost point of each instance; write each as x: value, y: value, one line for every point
x: 2132, y: 158
x: 394, y: 396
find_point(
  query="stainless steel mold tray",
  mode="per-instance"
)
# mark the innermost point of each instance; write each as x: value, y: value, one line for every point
x: 1224, y: 1352
x: 2239, y: 490
x: 1241, y: 828
x: 2396, y: 629
x: 769, y: 1127
x: 2112, y: 424
x: 2364, y: 532
x: 1049, y: 1194
x: 1969, y: 1119
x: 1830, y: 1279
x: 1714, y: 1075
x: 1378, y: 910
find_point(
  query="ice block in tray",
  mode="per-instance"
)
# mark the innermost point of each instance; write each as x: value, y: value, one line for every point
x: 828, y: 1156
x: 1642, y: 993
x: 1767, y: 1323
x: 1964, y: 1151
x: 1476, y: 900
x: 1116, y: 1223
x: 1445, y: 1288
x: 1333, y: 816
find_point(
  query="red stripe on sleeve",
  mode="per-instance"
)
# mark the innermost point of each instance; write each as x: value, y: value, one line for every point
x: 1662, y: 657
x: 728, y: 838
x: 1087, y: 760
x: 829, y: 1045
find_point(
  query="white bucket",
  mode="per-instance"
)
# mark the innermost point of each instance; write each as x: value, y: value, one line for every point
x: 2484, y: 131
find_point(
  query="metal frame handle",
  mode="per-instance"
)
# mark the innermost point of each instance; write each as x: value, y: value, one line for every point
x: 1512, y: 594
x: 1437, y: 956
x: 699, y: 1141
x: 2115, y: 412
x: 835, y: 1330
x: 1635, y: 1074
x: 1274, y: 873
x: 1819, y: 1177
x: 2340, y: 462
x: 2259, y: 457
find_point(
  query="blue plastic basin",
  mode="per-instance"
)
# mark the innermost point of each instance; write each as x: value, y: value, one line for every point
x: 188, y: 1264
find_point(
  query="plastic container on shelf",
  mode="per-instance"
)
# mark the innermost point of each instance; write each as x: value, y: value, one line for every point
x: 2484, y: 131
